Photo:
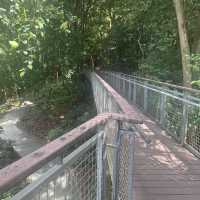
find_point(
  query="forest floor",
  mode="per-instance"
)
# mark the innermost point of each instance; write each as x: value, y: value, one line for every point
x: 49, y: 125
x: 33, y: 124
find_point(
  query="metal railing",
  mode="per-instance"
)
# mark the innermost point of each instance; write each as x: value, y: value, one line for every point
x: 176, y: 109
x: 81, y: 174
x: 167, y: 86
x: 108, y: 100
x: 83, y: 163
x: 74, y: 178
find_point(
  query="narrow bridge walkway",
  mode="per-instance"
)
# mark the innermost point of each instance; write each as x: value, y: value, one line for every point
x: 163, y: 169
x: 101, y: 160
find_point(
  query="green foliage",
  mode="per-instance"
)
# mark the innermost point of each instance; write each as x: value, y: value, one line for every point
x: 76, y: 115
x: 42, y: 42
x: 13, y: 44
x: 195, y: 65
x: 196, y: 84
x: 40, y: 50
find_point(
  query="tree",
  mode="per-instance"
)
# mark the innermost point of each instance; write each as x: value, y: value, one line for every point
x: 184, y: 43
x: 42, y: 42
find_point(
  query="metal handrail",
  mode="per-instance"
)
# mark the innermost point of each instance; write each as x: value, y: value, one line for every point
x: 163, y: 87
x: 19, y: 170
x: 29, y: 191
x: 121, y: 102
x: 178, y: 113
x: 164, y: 83
x: 149, y: 87
x: 111, y: 104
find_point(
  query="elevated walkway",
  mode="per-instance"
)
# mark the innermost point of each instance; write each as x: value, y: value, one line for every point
x: 123, y: 153
x: 164, y: 170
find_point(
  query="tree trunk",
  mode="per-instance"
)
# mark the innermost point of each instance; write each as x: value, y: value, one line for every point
x: 184, y: 44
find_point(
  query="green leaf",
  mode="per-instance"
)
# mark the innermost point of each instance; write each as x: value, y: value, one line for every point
x: 64, y: 26
x: 13, y: 44
x: 196, y: 83
x: 32, y: 35
x: 25, y: 42
x: 22, y: 73
x: 2, y: 10
x: 42, y: 34
x: 2, y: 52
x: 30, y: 66
x: 25, y: 53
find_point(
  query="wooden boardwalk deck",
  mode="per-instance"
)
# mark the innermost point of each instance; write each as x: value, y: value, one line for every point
x: 164, y: 170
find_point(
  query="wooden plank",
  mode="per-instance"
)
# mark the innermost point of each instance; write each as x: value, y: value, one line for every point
x: 164, y: 170
x: 167, y: 183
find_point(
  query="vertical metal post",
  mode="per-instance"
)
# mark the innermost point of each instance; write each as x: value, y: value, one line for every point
x: 109, y: 107
x: 145, y: 97
x: 104, y: 167
x: 102, y: 103
x: 118, y: 82
x: 98, y: 97
x: 124, y: 87
x: 129, y: 90
x: 162, y: 109
x: 116, y: 163
x: 111, y: 79
x: 105, y: 101
x: 114, y: 81
x: 100, y: 166
x: 134, y: 92
x: 131, y: 150
x: 184, y: 124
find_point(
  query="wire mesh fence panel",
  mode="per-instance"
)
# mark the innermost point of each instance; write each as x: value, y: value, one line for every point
x: 175, y: 108
x: 126, y: 89
x: 173, y: 117
x: 153, y: 104
x: 140, y: 96
x: 123, y: 169
x: 193, y: 127
x: 83, y: 184
x: 125, y: 165
x: 120, y: 85
x: 130, y: 92
x: 75, y: 179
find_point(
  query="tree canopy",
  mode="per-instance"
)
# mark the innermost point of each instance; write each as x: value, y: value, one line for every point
x: 48, y: 43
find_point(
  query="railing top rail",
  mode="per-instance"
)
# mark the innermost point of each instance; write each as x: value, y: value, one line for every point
x: 186, y: 99
x: 163, y: 83
x: 27, y: 165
